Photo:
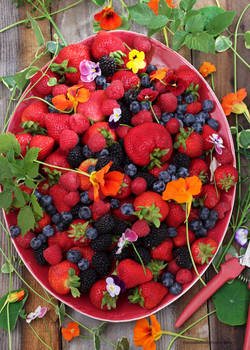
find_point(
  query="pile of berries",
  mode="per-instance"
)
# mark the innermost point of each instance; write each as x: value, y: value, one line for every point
x: 149, y: 126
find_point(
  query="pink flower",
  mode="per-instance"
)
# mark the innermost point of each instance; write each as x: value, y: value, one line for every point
x: 127, y: 236
x: 40, y: 312
x: 217, y: 141
x: 89, y: 71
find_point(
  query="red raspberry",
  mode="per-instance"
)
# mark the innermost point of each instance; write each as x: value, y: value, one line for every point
x: 141, y: 228
x: 138, y: 185
x: 173, y: 267
x: 183, y: 276
x: 142, y: 117
x: 24, y: 241
x: 122, y: 131
x: 173, y: 126
x: 78, y: 123
x: 58, y: 193
x: 181, y: 238
x: 99, y: 208
x: 91, y: 86
x: 194, y: 107
x: 44, y: 221
x: 108, y: 106
x: 115, y: 90
x: 168, y: 102
x: 60, y: 89
x: 72, y: 198
x: 222, y: 208
x: 68, y: 139
x: 225, y: 157
x: 96, y: 142
x: 70, y: 181
x: 176, y: 215
x: 142, y: 44
x: 157, y: 111
x: 53, y: 254
x: 161, y: 88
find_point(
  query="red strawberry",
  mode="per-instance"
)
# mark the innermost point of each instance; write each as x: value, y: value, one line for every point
x: 78, y: 123
x: 188, y: 75
x: 97, y: 128
x: 104, y: 43
x: 173, y: 267
x: 157, y: 207
x: 189, y: 142
x: 100, y: 297
x: 148, y: 143
x: 70, y: 181
x: 25, y: 189
x: 24, y: 241
x: 45, y: 143
x: 203, y: 250
x: 183, y: 276
x: 142, y: 44
x: 149, y: 294
x: 24, y: 141
x: 194, y: 214
x: 115, y: 90
x: 181, y: 238
x: 143, y: 116
x: 41, y: 87
x: 222, y: 208
x: 68, y: 139
x: 72, y: 198
x: 53, y: 254
x: 132, y: 274
x: 36, y: 112
x: 226, y: 157
x: 97, y: 142
x: 125, y: 189
x: 63, y: 278
x: 226, y: 176
x: 156, y: 170
x: 141, y: 228
x: 84, y: 180
x: 206, y: 132
x: 167, y: 102
x: 60, y: 89
x: 62, y: 239
x: 55, y: 124
x: 87, y: 253
x: 92, y: 108
x: 43, y: 187
x: 198, y: 167
x: 44, y: 221
x: 74, y: 53
x: 122, y: 131
x: 77, y: 231
x: 58, y: 193
x: 99, y: 208
x: 176, y: 215
x: 173, y: 126
x: 212, y: 197
x: 138, y: 186
x: 194, y: 107
x: 129, y: 79
x: 163, y: 251
x: 57, y: 158
x: 109, y: 105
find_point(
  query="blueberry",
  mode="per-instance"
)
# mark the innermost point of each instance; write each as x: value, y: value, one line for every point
x: 175, y: 289
x: 51, y: 209
x: 171, y: 232
x: 179, y: 116
x: 181, y: 108
x: 151, y: 68
x: 162, y: 123
x: 167, y: 279
x: 197, y: 127
x: 84, y: 198
x: 66, y: 217
x: 15, y: 231
x: 74, y: 256
x: 145, y: 105
x: 189, y: 98
x: 209, y: 224
x: 83, y: 264
x: 201, y: 233
x: 213, y: 123
x: 91, y: 232
x: 182, y: 172
x: 37, y: 194
x: 84, y: 213
x: 130, y: 169
x: 135, y: 107
x: 165, y: 117
x: 207, y: 106
x: 127, y: 209
x: 145, y: 81
x: 189, y: 119
x: 203, y: 157
x: 171, y: 169
x: 42, y: 237
x: 195, y: 224
x: 61, y: 226
x: 202, y: 117
x: 203, y: 213
x: 91, y: 168
x: 100, y: 80
x: 105, y: 85
x: 46, y: 200
x: 87, y: 153
x: 103, y: 153
x: 174, y: 178
x: 179, y: 99
x: 35, y: 243
x: 213, y: 215
x: 48, y: 230
x: 159, y: 186
x: 164, y: 176
x: 56, y: 218
x: 114, y: 203
x: 48, y: 98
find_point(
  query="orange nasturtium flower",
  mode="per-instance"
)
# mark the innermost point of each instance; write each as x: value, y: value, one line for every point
x: 183, y: 190
x: 158, y: 74
x: 16, y: 296
x: 233, y: 102
x: 207, y: 68
x: 146, y: 335
x: 71, y: 331
x: 75, y: 94
x: 108, y: 19
x: 108, y: 182
x: 153, y: 4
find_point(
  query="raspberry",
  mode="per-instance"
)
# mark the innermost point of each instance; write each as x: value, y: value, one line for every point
x: 122, y: 131
x: 91, y: 86
x: 173, y: 267
x: 183, y: 276
x: 24, y: 241
x: 53, y: 254
x: 72, y: 198
x: 78, y: 123
x: 99, y: 208
x: 138, y: 185
x: 194, y: 108
x: 173, y: 126
x: 142, y: 44
x: 68, y: 139
x: 115, y: 90
x: 141, y: 228
x: 168, y: 102
x: 108, y: 106
x: 70, y: 181
x: 143, y: 116
x: 161, y: 88
x: 97, y: 142
x: 221, y: 208
x: 225, y: 157
x: 60, y: 89
x: 185, y: 73
x: 157, y: 111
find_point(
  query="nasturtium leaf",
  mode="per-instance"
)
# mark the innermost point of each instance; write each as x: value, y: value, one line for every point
x: 220, y: 22
x: 209, y: 12
x: 122, y: 344
x: 200, y: 41
x: 247, y: 39
x: 232, y: 302
x: 244, y: 138
x: 54, y: 47
x: 26, y: 220
x: 194, y: 23
x: 99, y: 3
x: 187, y: 5
x: 178, y: 39
x: 14, y: 309
x: 222, y: 43
x: 37, y: 30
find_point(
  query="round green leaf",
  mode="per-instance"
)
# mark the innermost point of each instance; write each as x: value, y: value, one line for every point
x: 244, y: 139
x: 222, y: 43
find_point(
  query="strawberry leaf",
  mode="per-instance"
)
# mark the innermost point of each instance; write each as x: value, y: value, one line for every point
x: 74, y: 283
x: 26, y: 220
x: 9, y: 141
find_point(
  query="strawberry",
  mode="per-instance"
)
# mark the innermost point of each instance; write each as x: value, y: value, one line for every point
x: 194, y: 107
x: 53, y: 254
x: 78, y: 123
x: 45, y: 143
x: 198, y: 167
x: 87, y: 253
x: 74, y: 53
x: 163, y: 251
x: 173, y: 267
x: 185, y: 73
x: 138, y: 186
x: 99, y: 128
x: 151, y: 207
x: 92, y: 108
x: 24, y: 141
x: 143, y: 116
x: 167, y: 102
x: 129, y: 79
x: 100, y: 297
x: 181, y: 238
x: 72, y: 198
x: 115, y: 90
x: 203, y: 250
x: 36, y: 112
x: 226, y: 176
x: 148, y: 143
x: 97, y: 142
x: 142, y: 44
x: 141, y: 228
x: 104, y: 43
x: 77, y: 231
x: 70, y: 181
x: 176, y: 215
x: 109, y: 105
x: 156, y: 170
x: 189, y: 142
x: 41, y: 87
x: 63, y: 278
x: 84, y: 180
x: 226, y: 157
x: 99, y: 208
x: 58, y: 193
x: 149, y: 294
x: 183, y: 276
x: 62, y: 239
x: 222, y: 208
x: 132, y: 274
x: 24, y: 241
x: 57, y: 158
x: 122, y: 131
x: 44, y: 221
x: 157, y: 111
x: 212, y: 197
x: 160, y: 87
x: 125, y: 189
x: 55, y: 124
x: 173, y: 126
x: 206, y: 132
x: 68, y: 139
x: 60, y: 89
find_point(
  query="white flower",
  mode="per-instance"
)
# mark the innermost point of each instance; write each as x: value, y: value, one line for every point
x: 117, y: 113
x: 127, y: 236
x: 218, y: 142
x: 112, y: 288
x: 39, y: 312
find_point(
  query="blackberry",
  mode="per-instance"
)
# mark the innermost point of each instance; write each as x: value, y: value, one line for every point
x: 181, y: 160
x: 150, y: 178
x: 119, y: 226
x: 130, y: 96
x: 104, y: 161
x: 105, y: 224
x: 101, y: 263
x: 125, y: 253
x: 144, y: 254
x: 182, y: 257
x: 48, y: 98
x: 116, y: 153
x: 101, y: 243
x: 75, y: 157
x: 38, y: 253
x: 126, y: 116
x: 75, y: 210
x: 107, y: 65
x: 156, y: 236
x: 87, y: 279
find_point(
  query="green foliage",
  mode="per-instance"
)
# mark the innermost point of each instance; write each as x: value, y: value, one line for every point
x: 60, y: 311
x: 247, y: 39
x: 220, y: 22
x: 37, y: 31
x: 222, y: 43
x: 187, y: 5
x: 54, y: 47
x: 99, y: 3
x: 244, y: 138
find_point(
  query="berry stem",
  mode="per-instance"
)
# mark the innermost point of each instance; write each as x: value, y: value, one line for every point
x: 157, y: 120
x: 49, y: 104
x: 61, y: 168
x: 127, y: 46
x: 178, y: 335
x: 137, y: 253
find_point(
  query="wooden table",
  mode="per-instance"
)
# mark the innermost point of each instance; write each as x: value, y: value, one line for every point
x: 17, y: 49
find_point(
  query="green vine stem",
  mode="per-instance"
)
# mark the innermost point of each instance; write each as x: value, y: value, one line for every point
x: 139, y: 257
x: 165, y: 33
x: 49, y: 104
x: 61, y: 168
x: 40, y: 339
x: 178, y: 335
x: 212, y: 82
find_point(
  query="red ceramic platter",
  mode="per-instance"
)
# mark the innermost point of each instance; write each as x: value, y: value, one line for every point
x: 161, y: 56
